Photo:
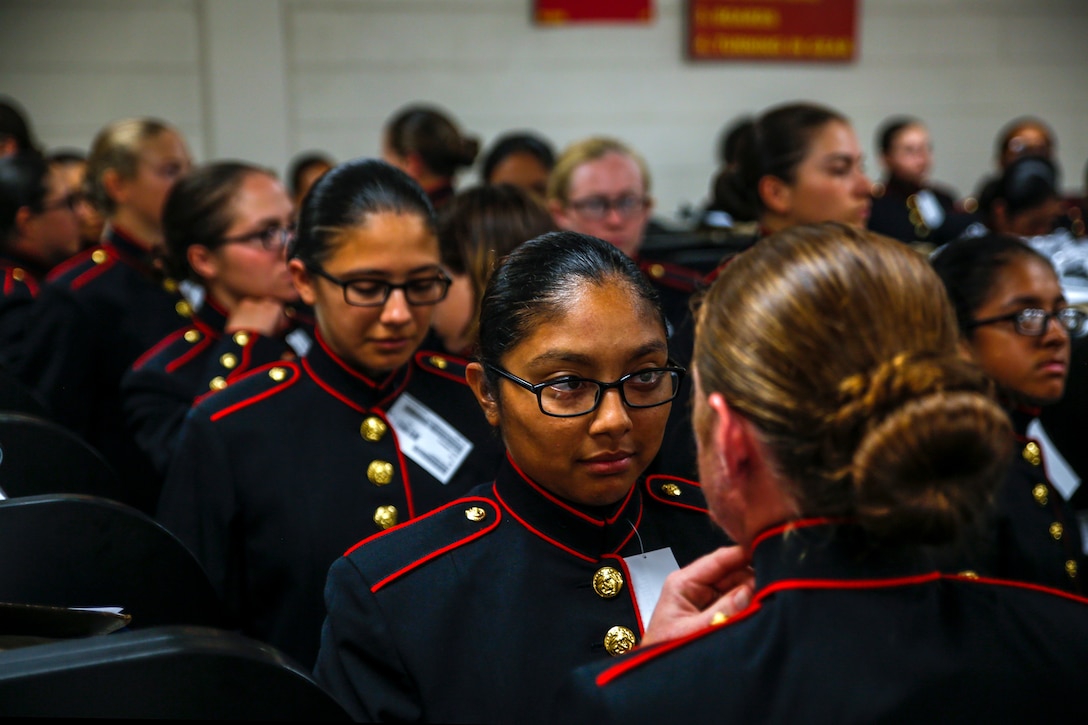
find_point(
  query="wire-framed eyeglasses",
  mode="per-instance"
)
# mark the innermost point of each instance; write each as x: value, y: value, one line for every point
x: 571, y: 396
x: 597, y: 207
x: 273, y: 238
x: 419, y: 291
x: 1032, y: 322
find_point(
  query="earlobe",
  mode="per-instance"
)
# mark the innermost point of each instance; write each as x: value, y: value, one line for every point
x: 477, y: 380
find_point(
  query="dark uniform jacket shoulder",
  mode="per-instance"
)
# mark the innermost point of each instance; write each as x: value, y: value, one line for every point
x: 512, y: 585
x: 278, y: 474
x: 842, y: 631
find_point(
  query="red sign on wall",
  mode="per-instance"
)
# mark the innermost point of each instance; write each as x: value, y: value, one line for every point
x: 561, y: 12
x: 791, y: 30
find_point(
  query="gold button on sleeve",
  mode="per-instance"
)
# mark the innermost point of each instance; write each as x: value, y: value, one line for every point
x: 618, y: 639
x: 373, y: 429
x: 385, y: 516
x: 475, y: 513
x: 607, y: 582
x: 379, y: 472
x: 217, y: 383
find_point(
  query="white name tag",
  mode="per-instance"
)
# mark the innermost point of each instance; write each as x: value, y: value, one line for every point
x: 648, y: 572
x: 929, y: 208
x: 434, y: 444
x: 300, y: 341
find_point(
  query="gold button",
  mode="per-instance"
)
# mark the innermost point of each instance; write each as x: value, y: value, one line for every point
x: 277, y: 374
x: 373, y: 429
x: 380, y: 472
x: 229, y: 360
x: 170, y: 285
x: 657, y: 271
x: 241, y: 338
x: 607, y: 582
x: 618, y: 640
x: 1040, y: 494
x: 439, y: 362
x: 18, y: 274
x: 670, y: 489
x: 184, y: 308
x: 969, y: 574
x: 1056, y: 530
x: 718, y: 619
x: 475, y: 513
x: 192, y: 336
x: 99, y: 256
x: 1031, y: 454
x: 385, y: 516
x: 217, y: 383
x: 1071, y: 569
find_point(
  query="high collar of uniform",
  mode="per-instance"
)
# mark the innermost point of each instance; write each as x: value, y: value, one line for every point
x: 576, y: 529
x: 211, y: 315
x: 896, y: 186
x: 352, y: 387
x: 825, y: 549
x: 1021, y: 416
x: 130, y: 250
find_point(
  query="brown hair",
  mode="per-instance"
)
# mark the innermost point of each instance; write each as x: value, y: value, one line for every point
x: 839, y: 346
x: 482, y: 225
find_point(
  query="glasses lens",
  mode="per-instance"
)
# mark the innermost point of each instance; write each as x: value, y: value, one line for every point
x: 1072, y: 320
x: 366, y: 293
x: 570, y: 396
x: 1031, y: 322
x: 650, y: 387
x: 425, y: 291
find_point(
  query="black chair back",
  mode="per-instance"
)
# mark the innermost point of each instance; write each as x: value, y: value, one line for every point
x: 65, y: 550
x: 39, y: 456
x: 18, y: 397
x: 191, y: 673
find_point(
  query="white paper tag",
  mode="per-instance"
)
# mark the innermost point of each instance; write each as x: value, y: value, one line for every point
x: 427, y: 439
x: 648, y: 572
x: 300, y: 341
x: 929, y: 208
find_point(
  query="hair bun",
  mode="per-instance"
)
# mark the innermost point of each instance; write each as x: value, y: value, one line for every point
x: 932, y: 446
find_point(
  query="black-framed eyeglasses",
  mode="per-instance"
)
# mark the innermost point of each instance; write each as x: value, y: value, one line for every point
x: 375, y: 292
x: 597, y: 207
x: 273, y: 238
x: 571, y: 396
x: 1033, y: 322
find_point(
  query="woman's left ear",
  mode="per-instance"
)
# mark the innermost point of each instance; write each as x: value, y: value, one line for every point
x: 477, y: 380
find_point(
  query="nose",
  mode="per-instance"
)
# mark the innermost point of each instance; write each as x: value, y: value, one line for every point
x: 396, y: 311
x: 1055, y: 332
x: 611, y: 417
x: 863, y: 185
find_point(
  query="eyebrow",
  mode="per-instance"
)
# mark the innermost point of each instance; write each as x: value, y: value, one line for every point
x: 580, y: 358
x: 1031, y: 301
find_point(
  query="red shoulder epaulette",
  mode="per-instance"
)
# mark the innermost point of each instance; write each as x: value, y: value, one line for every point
x: 442, y: 364
x: 676, y: 491
x: 276, y: 378
x: 671, y: 275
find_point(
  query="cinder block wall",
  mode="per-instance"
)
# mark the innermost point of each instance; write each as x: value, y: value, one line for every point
x: 264, y: 79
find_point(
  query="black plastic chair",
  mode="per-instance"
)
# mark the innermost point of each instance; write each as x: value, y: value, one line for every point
x: 39, y: 456
x: 192, y: 673
x: 65, y: 550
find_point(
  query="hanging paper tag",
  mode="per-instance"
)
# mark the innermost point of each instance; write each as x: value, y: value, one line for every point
x: 427, y: 439
x: 929, y: 208
x: 648, y: 572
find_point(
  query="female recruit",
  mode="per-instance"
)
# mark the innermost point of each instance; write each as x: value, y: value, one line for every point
x: 227, y: 225
x: 559, y: 560
x: 798, y: 163
x: 424, y: 142
x: 1016, y: 324
x: 835, y: 460
x: 104, y: 307
x: 275, y: 476
x: 477, y: 229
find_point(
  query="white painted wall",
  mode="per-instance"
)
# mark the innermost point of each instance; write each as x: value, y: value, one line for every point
x: 264, y: 79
